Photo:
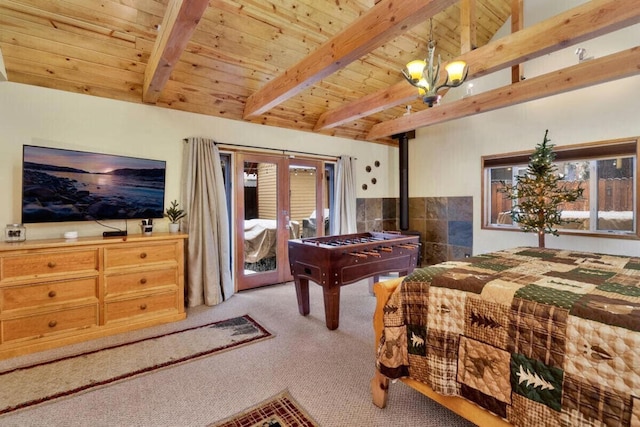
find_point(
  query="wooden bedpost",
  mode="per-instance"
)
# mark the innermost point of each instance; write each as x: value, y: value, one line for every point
x: 379, y: 389
x: 380, y: 383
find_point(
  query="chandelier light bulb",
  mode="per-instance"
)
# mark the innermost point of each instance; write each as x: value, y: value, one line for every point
x: 456, y: 73
x: 415, y: 69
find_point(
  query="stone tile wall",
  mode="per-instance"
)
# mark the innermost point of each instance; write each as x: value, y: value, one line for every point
x: 445, y: 223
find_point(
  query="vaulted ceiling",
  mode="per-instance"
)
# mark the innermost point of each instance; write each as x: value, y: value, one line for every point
x: 331, y: 67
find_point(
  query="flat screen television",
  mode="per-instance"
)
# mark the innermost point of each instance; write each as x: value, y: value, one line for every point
x: 61, y: 185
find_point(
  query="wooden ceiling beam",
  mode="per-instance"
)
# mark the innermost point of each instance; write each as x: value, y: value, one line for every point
x: 583, y: 22
x: 368, y: 105
x: 517, y: 24
x: 468, y: 37
x: 596, y: 71
x: 179, y: 23
x: 382, y: 23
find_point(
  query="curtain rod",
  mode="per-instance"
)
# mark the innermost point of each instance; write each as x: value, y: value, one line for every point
x: 272, y: 149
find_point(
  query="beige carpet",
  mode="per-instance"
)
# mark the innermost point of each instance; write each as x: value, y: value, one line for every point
x: 45, y: 381
x: 328, y: 372
x: 278, y: 411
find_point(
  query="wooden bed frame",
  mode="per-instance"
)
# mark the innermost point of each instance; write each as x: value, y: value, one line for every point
x: 380, y: 383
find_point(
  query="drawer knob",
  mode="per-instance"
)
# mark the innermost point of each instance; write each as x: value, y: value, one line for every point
x: 52, y: 294
x: 51, y: 264
x: 52, y: 324
x: 143, y: 255
x: 143, y: 281
x: 143, y: 306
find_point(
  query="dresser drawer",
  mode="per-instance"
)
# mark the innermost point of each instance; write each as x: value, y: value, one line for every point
x: 44, y: 294
x: 139, y: 255
x: 49, y: 323
x: 143, y: 306
x: 55, y: 292
x: 42, y: 264
x: 116, y: 284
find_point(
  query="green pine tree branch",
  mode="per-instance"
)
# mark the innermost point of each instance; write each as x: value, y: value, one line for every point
x: 538, y: 194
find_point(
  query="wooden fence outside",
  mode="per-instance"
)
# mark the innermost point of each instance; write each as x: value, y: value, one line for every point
x: 615, y: 194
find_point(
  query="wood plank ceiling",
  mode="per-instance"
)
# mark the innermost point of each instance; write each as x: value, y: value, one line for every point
x: 331, y: 67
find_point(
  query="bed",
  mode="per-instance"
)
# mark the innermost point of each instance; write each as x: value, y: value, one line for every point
x: 526, y: 335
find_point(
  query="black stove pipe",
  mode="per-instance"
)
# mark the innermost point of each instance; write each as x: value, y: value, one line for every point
x: 403, y: 154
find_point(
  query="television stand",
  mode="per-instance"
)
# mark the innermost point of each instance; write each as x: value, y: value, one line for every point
x: 56, y: 292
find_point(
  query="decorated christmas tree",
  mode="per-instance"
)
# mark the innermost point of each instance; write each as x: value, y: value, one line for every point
x: 539, y: 194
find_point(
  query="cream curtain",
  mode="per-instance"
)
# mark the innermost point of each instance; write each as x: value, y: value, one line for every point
x: 343, y: 220
x: 208, y: 272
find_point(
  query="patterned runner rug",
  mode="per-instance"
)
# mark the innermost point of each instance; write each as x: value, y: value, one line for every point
x: 280, y: 410
x: 34, y: 384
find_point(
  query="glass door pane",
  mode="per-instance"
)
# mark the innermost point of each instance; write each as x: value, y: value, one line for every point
x: 261, y: 213
x: 327, y: 186
x: 303, y: 200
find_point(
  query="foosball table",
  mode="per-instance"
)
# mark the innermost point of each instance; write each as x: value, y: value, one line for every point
x: 334, y: 261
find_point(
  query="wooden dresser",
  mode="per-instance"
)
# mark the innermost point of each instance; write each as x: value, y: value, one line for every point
x: 57, y: 292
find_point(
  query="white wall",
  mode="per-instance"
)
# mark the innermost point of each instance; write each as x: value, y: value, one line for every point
x: 39, y: 116
x: 449, y: 154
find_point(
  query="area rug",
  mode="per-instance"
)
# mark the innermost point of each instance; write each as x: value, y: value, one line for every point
x: 280, y: 410
x: 34, y: 384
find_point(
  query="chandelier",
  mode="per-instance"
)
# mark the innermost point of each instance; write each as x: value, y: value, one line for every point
x: 424, y: 75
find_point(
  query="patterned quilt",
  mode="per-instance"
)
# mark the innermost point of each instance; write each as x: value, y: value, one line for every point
x: 540, y: 337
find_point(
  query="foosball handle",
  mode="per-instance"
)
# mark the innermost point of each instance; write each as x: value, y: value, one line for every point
x: 408, y: 246
x: 358, y: 254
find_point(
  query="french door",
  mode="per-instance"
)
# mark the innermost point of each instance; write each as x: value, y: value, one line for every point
x: 277, y: 198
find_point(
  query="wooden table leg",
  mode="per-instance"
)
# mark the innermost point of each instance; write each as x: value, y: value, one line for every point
x: 302, y: 293
x: 331, y: 306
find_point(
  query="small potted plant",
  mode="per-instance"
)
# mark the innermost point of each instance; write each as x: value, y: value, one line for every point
x: 175, y: 214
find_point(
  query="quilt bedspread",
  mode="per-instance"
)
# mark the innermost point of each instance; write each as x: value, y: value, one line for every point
x: 540, y: 337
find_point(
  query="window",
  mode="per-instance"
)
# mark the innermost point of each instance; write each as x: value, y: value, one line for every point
x: 605, y: 170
